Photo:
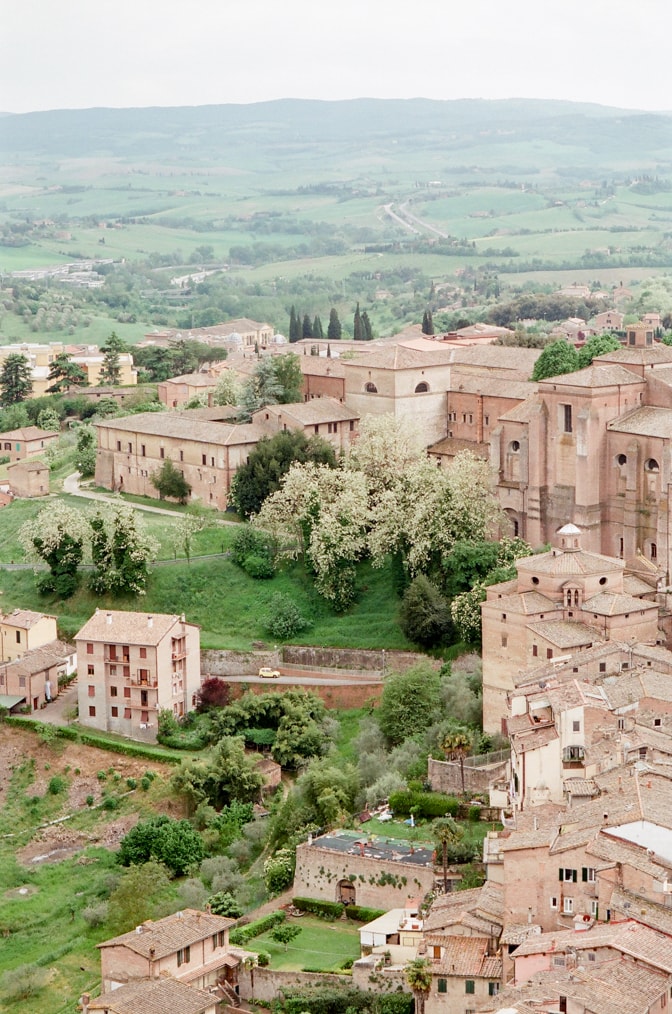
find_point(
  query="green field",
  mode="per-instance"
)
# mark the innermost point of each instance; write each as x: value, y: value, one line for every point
x: 320, y: 945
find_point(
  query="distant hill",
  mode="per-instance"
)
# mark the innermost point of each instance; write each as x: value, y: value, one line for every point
x: 594, y: 133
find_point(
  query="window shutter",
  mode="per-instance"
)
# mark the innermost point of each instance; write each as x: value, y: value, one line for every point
x: 560, y: 874
x: 584, y: 874
x: 574, y: 876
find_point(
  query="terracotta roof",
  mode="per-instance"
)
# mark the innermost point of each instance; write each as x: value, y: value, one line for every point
x: 569, y: 564
x: 166, y: 936
x: 640, y: 355
x: 597, y: 375
x: 24, y: 618
x: 154, y: 996
x: 451, y: 446
x: 658, y: 917
x: 565, y: 633
x: 322, y: 366
x: 471, y: 383
x: 630, y: 937
x: 646, y: 422
x: 464, y: 956
x: 193, y: 380
x: 28, y: 433
x: 38, y: 659
x: 128, y: 627
x: 183, y: 426
x: 524, y: 412
x: 613, y: 604
x: 28, y: 466
x: 485, y: 904
x: 581, y: 787
x: 308, y: 413
x: 402, y: 357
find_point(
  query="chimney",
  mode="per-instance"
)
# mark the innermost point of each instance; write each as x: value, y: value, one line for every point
x: 84, y: 1001
x: 109, y: 619
x: 150, y: 621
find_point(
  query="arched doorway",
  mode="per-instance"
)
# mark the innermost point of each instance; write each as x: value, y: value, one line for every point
x: 345, y: 892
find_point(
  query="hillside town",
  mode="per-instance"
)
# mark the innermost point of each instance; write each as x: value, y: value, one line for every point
x: 571, y: 912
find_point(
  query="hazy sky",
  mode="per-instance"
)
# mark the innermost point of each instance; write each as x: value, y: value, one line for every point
x: 71, y: 54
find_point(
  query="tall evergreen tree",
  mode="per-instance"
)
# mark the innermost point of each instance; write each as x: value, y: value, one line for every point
x: 65, y: 373
x: 294, y: 326
x: 357, y: 333
x: 367, y: 331
x: 427, y: 322
x: 334, y: 329
x: 307, y: 327
x: 317, y: 328
x: 110, y: 372
x: 15, y: 379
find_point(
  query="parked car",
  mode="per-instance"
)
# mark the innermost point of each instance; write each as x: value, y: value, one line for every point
x: 267, y: 673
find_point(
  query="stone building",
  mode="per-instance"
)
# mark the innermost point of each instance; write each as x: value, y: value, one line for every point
x: 29, y: 478
x: 133, y: 665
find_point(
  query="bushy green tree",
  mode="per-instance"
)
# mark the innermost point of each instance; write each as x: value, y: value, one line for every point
x: 409, y: 702
x: 424, y: 615
x: 224, y: 903
x: 86, y: 450
x: 284, y: 618
x: 65, y: 373
x: 556, y: 359
x: 279, y: 871
x: 57, y: 536
x: 596, y: 346
x: 48, y: 420
x: 15, y: 379
x: 140, y: 895
x: 169, y: 481
x: 270, y: 461
x: 228, y: 774
x: 285, y: 933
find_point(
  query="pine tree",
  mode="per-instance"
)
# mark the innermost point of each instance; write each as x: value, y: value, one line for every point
x: 15, y: 379
x: 65, y: 374
x: 317, y: 328
x: 367, y: 332
x: 307, y: 327
x: 334, y: 329
x: 357, y: 333
x: 294, y: 326
x: 110, y: 371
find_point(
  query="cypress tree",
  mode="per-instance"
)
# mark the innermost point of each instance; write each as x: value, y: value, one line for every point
x: 334, y: 329
x: 317, y: 328
x: 427, y: 322
x: 307, y: 327
x: 367, y: 332
x: 294, y: 330
x: 357, y: 325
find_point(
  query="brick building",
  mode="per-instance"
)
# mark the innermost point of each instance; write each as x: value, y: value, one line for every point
x: 26, y: 442
x: 32, y: 680
x: 133, y: 665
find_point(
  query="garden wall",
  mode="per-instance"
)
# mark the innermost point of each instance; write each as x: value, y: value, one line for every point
x: 377, y: 883
x: 266, y: 983
x: 446, y: 776
x: 352, y: 658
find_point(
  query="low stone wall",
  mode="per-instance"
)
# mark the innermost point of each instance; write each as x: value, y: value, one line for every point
x: 334, y: 695
x: 266, y: 983
x: 215, y: 662
x: 352, y: 658
x: 369, y: 976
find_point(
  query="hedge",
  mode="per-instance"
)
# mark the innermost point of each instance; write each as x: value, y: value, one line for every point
x: 423, y: 804
x: 359, y: 913
x: 241, y: 935
x: 91, y: 738
x: 338, y: 998
x: 323, y: 909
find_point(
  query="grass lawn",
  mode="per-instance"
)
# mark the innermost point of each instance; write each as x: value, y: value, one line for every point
x: 320, y: 945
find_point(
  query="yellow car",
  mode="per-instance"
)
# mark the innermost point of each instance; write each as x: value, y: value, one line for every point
x: 267, y: 673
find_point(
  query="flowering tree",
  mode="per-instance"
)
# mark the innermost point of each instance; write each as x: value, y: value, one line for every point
x: 121, y: 550
x: 57, y: 536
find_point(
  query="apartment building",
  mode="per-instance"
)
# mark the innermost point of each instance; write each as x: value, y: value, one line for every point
x: 133, y: 665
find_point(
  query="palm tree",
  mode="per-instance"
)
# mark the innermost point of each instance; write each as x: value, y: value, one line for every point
x: 418, y: 975
x: 446, y: 832
x: 456, y: 746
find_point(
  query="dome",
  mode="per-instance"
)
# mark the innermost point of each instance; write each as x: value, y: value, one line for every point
x: 278, y: 339
x: 236, y: 338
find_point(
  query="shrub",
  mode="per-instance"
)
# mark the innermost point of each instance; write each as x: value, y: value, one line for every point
x: 22, y: 982
x: 284, y: 618
x: 359, y: 913
x: 57, y: 784
x: 324, y: 909
x: 132, y: 783
x: 111, y: 803
x: 145, y: 783
x: 263, y: 959
x: 90, y: 800
x: 101, y: 776
x: 474, y: 814
x: 95, y: 915
x: 258, y: 567
x: 243, y: 934
x: 423, y: 804
x: 279, y: 870
x: 224, y: 903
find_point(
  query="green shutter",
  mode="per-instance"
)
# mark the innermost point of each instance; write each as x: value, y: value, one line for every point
x: 560, y: 876
x: 584, y: 874
x: 574, y: 876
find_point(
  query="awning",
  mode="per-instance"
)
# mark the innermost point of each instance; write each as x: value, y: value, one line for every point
x: 9, y: 701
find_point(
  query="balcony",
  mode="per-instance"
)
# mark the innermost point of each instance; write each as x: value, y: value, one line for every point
x: 143, y: 681
x: 573, y: 756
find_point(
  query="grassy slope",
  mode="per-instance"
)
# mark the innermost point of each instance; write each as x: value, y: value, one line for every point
x: 320, y: 944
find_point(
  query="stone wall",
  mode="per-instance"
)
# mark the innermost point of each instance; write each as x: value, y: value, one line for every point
x: 378, y: 883
x: 351, y: 658
x: 236, y: 663
x: 267, y: 983
x: 446, y: 776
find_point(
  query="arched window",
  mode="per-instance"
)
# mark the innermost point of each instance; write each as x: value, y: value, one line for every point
x: 514, y: 446
x: 370, y: 388
x: 621, y: 459
x: 653, y: 551
x: 422, y: 387
x: 652, y: 465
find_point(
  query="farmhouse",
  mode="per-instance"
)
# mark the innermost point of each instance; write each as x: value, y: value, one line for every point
x: 26, y: 442
x: 22, y: 630
x: 28, y: 478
